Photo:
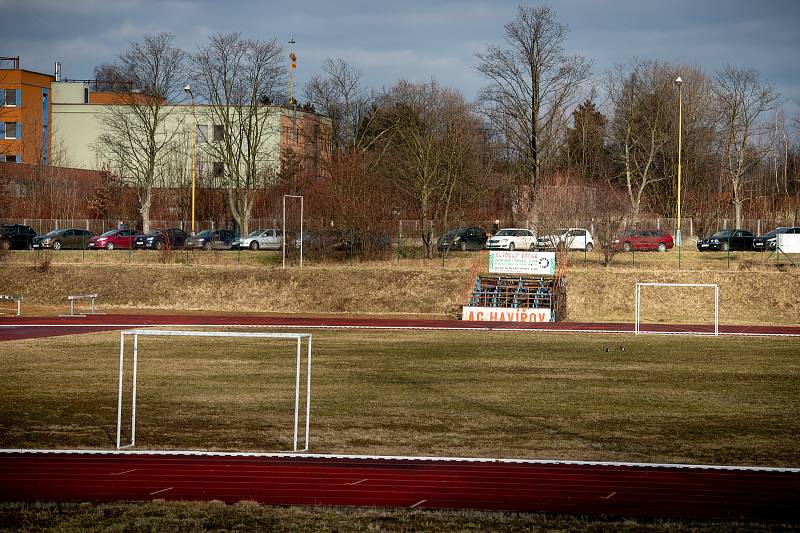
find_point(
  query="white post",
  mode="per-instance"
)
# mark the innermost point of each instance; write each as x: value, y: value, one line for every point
x: 636, y: 320
x: 133, y: 396
x: 308, y: 393
x: 716, y: 310
x: 297, y: 395
x: 119, y: 400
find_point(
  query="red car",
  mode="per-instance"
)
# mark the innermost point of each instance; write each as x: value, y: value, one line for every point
x: 643, y: 239
x: 114, y: 238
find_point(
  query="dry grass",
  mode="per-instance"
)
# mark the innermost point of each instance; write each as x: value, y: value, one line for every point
x: 662, y: 399
x: 250, y: 516
x: 595, y: 293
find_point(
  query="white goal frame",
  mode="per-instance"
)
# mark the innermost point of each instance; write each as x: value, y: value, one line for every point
x: 639, y: 286
x: 136, y: 333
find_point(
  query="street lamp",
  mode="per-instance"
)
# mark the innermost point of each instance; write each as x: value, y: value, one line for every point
x: 679, y: 83
x: 188, y: 89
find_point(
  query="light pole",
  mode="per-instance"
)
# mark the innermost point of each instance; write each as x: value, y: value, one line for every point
x: 188, y: 89
x: 679, y: 83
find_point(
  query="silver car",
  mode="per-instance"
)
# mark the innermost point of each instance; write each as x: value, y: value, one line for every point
x: 261, y: 239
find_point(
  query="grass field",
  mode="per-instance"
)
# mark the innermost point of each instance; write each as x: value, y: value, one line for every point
x: 596, y: 294
x: 662, y: 399
x: 249, y: 516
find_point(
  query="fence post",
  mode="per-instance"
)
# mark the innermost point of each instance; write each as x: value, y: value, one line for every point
x: 691, y: 228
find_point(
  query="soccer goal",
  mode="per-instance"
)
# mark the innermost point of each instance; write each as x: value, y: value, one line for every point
x: 136, y: 333
x: 638, y: 329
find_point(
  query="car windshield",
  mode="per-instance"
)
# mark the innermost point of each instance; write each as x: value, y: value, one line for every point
x: 255, y: 233
x: 109, y: 233
x: 628, y: 233
x: 724, y: 234
x: 205, y: 234
x: 772, y: 234
x: 505, y: 233
x: 451, y: 233
x: 54, y: 232
x: 157, y: 232
x: 561, y: 231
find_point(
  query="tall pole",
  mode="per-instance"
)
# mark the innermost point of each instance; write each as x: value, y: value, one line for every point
x: 679, y: 83
x: 188, y: 89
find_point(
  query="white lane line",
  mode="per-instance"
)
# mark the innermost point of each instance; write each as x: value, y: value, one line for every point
x: 424, y: 458
x: 609, y: 496
x: 413, y: 328
x: 125, y: 472
x: 357, y: 482
x: 162, y: 490
x: 418, y: 503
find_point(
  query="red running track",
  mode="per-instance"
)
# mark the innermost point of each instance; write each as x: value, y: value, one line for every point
x: 12, y: 328
x: 750, y: 495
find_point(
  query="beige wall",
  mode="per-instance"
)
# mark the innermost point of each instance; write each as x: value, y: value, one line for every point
x: 77, y: 126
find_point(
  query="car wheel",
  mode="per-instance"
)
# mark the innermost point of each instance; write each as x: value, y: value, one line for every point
x: 110, y: 246
x: 5, y: 245
x: 662, y: 247
x: 532, y: 248
x: 726, y: 246
x: 159, y: 245
x: 463, y: 246
x: 207, y: 246
x: 589, y: 247
x: 626, y: 247
x: 511, y: 247
x: 254, y: 245
x: 57, y: 245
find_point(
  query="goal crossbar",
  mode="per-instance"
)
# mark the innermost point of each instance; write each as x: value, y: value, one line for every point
x: 639, y: 286
x: 136, y: 333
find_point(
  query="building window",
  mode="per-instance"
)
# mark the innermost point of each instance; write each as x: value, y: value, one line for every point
x: 10, y: 130
x: 219, y: 133
x: 10, y: 97
x: 202, y: 133
x: 11, y: 159
x: 218, y: 169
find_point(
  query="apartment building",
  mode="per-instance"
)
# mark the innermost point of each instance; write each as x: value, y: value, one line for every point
x: 25, y: 113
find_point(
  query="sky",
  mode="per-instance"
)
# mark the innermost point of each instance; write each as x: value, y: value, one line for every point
x: 417, y: 40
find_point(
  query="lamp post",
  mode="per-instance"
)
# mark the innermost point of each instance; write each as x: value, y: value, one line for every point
x: 679, y: 83
x: 188, y: 89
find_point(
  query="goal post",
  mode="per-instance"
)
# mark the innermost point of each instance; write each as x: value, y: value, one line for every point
x: 639, y: 286
x: 136, y: 333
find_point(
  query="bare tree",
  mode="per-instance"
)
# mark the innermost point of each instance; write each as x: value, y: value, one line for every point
x: 430, y: 151
x: 641, y: 95
x: 138, y: 133
x: 340, y: 96
x: 237, y: 78
x: 533, y: 85
x: 742, y: 98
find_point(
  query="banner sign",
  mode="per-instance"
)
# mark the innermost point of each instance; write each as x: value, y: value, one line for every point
x: 536, y: 263
x: 789, y: 243
x: 506, y: 314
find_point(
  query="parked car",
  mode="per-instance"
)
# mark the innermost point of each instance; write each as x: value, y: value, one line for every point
x: 512, y: 239
x: 571, y: 238
x: 159, y: 238
x: 212, y: 239
x: 644, y: 240
x: 768, y: 241
x: 114, y: 238
x: 470, y: 238
x: 76, y: 239
x: 727, y: 239
x: 266, y: 239
x: 17, y: 236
